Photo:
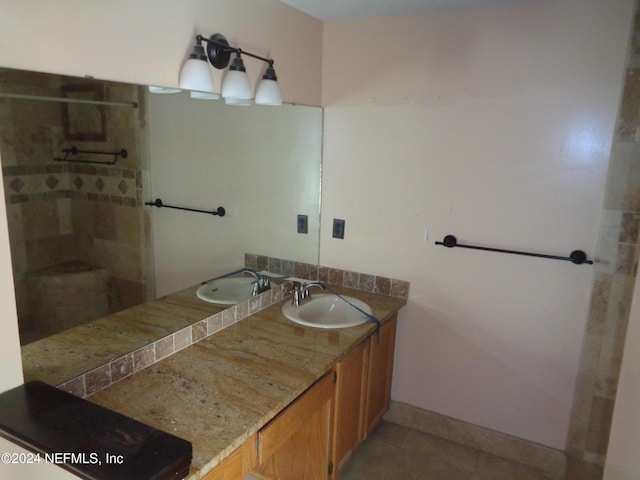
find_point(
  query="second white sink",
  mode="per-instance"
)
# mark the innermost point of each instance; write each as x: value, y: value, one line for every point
x: 327, y: 311
x: 226, y: 291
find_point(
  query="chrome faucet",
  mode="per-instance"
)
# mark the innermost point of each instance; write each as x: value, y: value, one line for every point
x: 262, y: 284
x: 301, y: 291
x: 305, y: 288
x: 251, y: 272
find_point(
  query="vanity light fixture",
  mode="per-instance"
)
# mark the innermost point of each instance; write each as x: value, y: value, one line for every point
x: 235, y: 85
x: 197, y: 77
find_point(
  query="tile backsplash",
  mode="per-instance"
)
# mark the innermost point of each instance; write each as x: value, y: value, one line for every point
x: 333, y: 276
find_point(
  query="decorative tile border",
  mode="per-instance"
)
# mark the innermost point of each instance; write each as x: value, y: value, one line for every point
x: 25, y: 183
x: 390, y: 287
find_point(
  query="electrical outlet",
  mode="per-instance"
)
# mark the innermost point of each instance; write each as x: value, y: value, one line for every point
x: 338, y: 228
x: 303, y: 224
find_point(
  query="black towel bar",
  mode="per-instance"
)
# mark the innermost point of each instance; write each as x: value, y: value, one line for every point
x: 74, y: 151
x: 577, y: 256
x: 220, y: 211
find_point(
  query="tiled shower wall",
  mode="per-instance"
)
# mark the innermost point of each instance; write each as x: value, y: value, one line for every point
x: 616, y: 268
x: 60, y: 212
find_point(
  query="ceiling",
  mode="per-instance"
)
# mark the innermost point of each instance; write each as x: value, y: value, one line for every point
x: 330, y: 10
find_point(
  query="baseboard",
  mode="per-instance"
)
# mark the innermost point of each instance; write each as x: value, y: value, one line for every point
x: 531, y: 454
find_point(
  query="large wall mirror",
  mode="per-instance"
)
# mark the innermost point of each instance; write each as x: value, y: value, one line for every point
x: 84, y: 245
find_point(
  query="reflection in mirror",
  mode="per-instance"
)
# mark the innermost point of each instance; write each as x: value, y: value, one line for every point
x: 67, y: 354
x: 76, y: 229
x: 231, y: 288
x: 84, y: 246
x: 262, y: 164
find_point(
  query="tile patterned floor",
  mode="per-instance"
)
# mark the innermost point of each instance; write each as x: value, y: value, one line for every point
x: 396, y: 452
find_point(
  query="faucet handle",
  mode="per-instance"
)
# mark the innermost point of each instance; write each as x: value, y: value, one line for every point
x: 297, y: 294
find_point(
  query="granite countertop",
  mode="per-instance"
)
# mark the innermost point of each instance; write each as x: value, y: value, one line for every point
x: 219, y: 391
x: 62, y: 356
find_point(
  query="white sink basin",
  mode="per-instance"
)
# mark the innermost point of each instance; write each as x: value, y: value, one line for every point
x: 226, y: 291
x: 327, y: 311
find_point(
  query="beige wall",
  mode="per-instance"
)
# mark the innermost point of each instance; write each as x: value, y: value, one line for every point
x: 147, y: 41
x: 143, y: 42
x: 267, y: 175
x: 494, y: 125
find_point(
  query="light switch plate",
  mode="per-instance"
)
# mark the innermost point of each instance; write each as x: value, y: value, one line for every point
x: 338, y: 228
x: 303, y: 224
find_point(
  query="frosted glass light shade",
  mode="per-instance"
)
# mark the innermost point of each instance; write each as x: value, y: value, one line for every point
x: 237, y: 102
x: 203, y: 95
x: 163, y: 90
x: 236, y: 85
x: 268, y: 93
x: 196, y: 75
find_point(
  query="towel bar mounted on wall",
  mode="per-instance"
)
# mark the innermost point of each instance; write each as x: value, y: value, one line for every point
x: 577, y: 256
x: 74, y: 151
x: 220, y: 211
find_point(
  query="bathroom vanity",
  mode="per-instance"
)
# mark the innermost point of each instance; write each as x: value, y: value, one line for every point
x: 268, y: 398
x: 317, y: 434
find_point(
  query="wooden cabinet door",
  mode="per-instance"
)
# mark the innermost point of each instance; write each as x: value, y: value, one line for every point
x: 296, y: 444
x: 379, y: 375
x: 236, y: 465
x: 348, y: 426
